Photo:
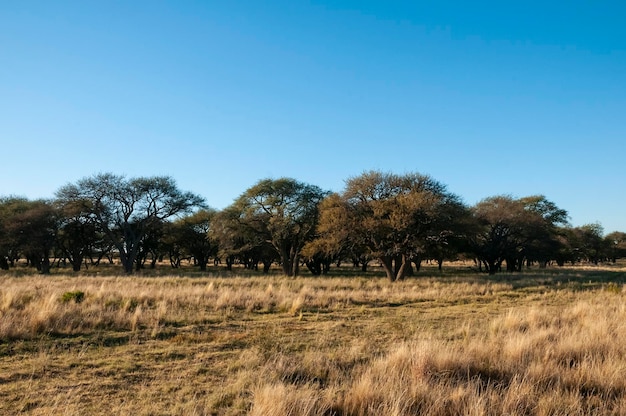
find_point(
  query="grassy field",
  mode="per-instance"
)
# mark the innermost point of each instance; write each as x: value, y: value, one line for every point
x: 543, y: 342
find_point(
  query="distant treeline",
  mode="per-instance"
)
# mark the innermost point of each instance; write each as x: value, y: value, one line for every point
x: 397, y: 221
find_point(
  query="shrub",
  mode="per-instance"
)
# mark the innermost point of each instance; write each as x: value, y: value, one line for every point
x: 77, y: 296
x: 613, y: 288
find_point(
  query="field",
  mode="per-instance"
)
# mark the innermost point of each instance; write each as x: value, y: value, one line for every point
x: 543, y: 342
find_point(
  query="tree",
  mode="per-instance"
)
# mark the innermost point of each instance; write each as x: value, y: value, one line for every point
x: 29, y: 228
x: 244, y: 239
x: 332, y: 242
x: 392, y: 217
x: 151, y: 245
x: 9, y: 243
x: 616, y: 245
x: 126, y: 210
x: 513, y: 230
x: 542, y: 239
x: 589, y: 243
x: 281, y: 213
x: 192, y: 232
x: 78, y: 233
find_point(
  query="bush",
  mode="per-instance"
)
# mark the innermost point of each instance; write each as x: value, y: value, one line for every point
x: 613, y: 288
x: 77, y: 296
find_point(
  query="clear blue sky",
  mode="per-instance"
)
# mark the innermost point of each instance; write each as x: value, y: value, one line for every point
x: 489, y: 98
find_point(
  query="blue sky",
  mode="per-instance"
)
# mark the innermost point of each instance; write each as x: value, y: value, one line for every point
x: 489, y: 98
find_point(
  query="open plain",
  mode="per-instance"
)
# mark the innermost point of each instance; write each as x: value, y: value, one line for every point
x: 542, y: 342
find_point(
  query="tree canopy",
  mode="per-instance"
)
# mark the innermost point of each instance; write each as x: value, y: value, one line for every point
x: 126, y: 210
x: 390, y: 216
x: 396, y: 221
x: 513, y: 230
x: 280, y: 212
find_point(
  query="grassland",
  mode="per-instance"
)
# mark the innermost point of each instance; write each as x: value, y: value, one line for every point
x: 543, y: 342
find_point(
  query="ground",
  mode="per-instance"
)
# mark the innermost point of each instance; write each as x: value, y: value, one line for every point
x: 222, y: 344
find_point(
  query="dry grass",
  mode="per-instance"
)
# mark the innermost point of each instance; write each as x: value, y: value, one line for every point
x: 533, y: 344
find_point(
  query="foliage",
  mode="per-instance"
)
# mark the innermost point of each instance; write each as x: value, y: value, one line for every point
x: 10, y: 207
x: 615, y: 244
x: 515, y: 230
x: 191, y: 236
x: 396, y: 220
x: 27, y: 228
x: 79, y: 236
x: 127, y: 210
x: 281, y: 213
x: 389, y: 217
x: 75, y: 296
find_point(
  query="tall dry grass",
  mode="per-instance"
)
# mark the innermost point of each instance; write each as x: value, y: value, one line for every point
x: 277, y: 346
x: 32, y: 306
x: 533, y: 361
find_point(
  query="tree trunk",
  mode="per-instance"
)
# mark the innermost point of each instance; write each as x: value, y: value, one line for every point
x: 395, y: 267
x: 326, y: 266
x: 229, y: 262
x: 128, y: 267
x: 387, y: 264
x: 418, y: 263
x: 404, y: 265
x: 409, y: 271
x: 127, y: 262
x: 286, y: 265
x: 291, y: 262
x: 510, y: 264
x: 203, y: 260
x: 45, y: 265
x: 286, y: 258
x: 314, y: 266
x: 397, y: 263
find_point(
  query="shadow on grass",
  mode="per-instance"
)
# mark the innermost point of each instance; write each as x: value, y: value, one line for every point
x: 578, y: 277
x: 568, y: 277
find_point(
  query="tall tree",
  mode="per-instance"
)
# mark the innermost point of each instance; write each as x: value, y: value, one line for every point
x: 283, y: 213
x: 244, y: 238
x: 10, y: 207
x: 78, y: 233
x: 512, y: 230
x: 391, y: 216
x: 126, y: 210
x: 542, y: 239
x: 30, y: 227
x: 588, y: 243
x: 616, y: 245
x: 193, y: 236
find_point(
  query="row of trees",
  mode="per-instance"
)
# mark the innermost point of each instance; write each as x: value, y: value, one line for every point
x: 397, y: 221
